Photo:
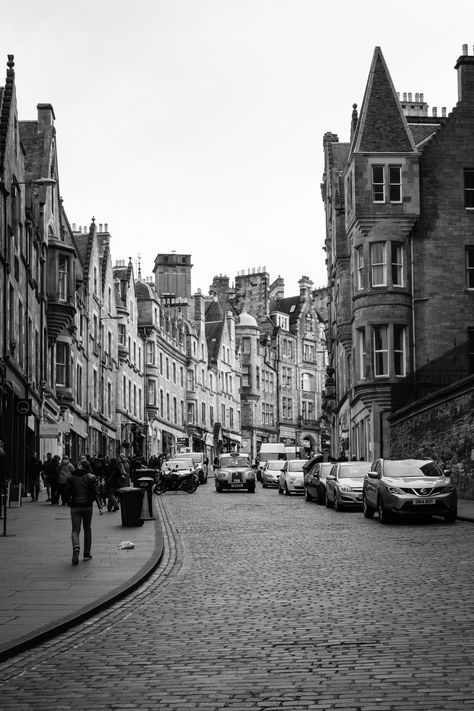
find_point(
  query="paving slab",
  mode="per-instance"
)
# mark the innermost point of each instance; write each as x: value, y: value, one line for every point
x: 42, y: 593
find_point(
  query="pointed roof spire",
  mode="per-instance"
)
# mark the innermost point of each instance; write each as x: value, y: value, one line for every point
x: 139, y: 267
x: 382, y: 126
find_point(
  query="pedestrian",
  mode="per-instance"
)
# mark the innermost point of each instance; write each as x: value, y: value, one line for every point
x: 66, y: 468
x: 52, y: 473
x: 113, y: 481
x: 81, y: 490
x: 44, y: 474
x: 33, y: 470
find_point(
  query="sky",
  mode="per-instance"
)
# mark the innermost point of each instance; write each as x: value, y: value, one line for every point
x: 196, y: 126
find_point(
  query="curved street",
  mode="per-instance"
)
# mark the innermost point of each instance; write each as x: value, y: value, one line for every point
x: 268, y: 602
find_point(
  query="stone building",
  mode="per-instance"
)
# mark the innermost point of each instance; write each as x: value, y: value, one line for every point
x: 399, y: 200
x: 38, y: 280
x: 283, y: 374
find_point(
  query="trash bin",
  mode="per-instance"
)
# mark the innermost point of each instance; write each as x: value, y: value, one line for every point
x: 146, y: 484
x: 131, y: 502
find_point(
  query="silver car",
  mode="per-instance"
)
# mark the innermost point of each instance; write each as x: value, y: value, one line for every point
x: 271, y: 472
x: 344, y: 485
x: 416, y: 487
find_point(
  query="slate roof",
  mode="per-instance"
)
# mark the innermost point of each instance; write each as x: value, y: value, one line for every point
x: 291, y: 305
x: 382, y: 126
x: 144, y: 291
x: 422, y: 131
x: 33, y: 143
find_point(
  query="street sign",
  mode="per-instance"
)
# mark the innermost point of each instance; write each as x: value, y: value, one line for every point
x: 23, y: 407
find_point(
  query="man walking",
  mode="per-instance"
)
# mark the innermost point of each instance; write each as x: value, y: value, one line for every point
x: 81, y: 490
x: 33, y: 469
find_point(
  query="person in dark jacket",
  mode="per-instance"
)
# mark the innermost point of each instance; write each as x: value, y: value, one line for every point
x: 82, y: 490
x: 114, y: 478
x: 33, y: 470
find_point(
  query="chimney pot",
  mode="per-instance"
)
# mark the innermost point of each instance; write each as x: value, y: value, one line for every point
x: 435, y: 111
x: 409, y: 96
x: 106, y: 226
x: 464, y: 49
x: 443, y: 111
x: 421, y: 98
x: 417, y: 97
x: 404, y: 96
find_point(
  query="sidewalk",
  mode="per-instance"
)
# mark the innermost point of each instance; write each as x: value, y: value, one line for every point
x: 41, y: 593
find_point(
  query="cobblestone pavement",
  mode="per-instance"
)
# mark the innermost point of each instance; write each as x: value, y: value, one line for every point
x: 268, y: 602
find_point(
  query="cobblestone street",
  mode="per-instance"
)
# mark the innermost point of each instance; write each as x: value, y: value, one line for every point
x: 269, y: 602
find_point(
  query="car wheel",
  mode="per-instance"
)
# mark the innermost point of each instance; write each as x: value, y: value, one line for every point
x: 218, y: 487
x: 337, y: 504
x: 329, y: 503
x: 367, y: 510
x: 321, y: 497
x: 384, y: 515
x: 451, y: 517
x: 287, y: 491
x: 307, y: 495
x: 280, y: 490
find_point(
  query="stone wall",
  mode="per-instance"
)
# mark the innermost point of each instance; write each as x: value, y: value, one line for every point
x: 442, y: 427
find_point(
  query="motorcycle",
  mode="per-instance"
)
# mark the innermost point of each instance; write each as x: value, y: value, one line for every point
x: 172, y: 480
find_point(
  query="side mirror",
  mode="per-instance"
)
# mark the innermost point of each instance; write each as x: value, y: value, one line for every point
x: 330, y: 477
x: 447, y: 472
x: 373, y: 475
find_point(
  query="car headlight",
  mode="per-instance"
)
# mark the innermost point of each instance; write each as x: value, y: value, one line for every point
x: 447, y: 489
x: 345, y: 487
x: 394, y: 490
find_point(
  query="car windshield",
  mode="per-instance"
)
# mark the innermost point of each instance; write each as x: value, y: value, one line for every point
x: 275, y: 464
x: 296, y: 465
x: 357, y: 470
x: 179, y: 464
x: 411, y: 467
x: 235, y: 462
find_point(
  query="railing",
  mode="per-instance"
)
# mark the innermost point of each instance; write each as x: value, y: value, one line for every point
x: 448, y: 369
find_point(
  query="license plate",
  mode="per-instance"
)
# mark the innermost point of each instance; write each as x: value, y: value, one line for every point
x: 237, y: 485
x: 417, y: 502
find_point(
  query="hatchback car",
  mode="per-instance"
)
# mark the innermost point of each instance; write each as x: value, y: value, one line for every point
x: 234, y: 471
x: 270, y: 473
x: 315, y: 482
x: 344, y: 485
x: 199, y: 464
x: 417, y: 487
x: 291, y: 479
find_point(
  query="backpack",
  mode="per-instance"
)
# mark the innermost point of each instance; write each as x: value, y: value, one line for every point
x: 64, y: 473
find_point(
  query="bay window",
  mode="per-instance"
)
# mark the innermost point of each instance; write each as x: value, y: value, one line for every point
x: 378, y: 262
x: 380, y: 351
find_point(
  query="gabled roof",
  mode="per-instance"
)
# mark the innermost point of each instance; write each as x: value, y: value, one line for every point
x: 291, y: 305
x: 382, y: 126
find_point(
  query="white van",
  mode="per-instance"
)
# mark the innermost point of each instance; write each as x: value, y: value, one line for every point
x: 271, y: 450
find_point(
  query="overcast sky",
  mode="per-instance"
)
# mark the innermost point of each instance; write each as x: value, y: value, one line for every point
x: 197, y: 125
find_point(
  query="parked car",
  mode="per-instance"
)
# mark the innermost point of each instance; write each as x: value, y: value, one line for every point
x: 291, y: 479
x: 315, y: 482
x: 417, y: 487
x: 344, y: 485
x: 182, y: 467
x: 234, y: 471
x: 271, y: 472
x: 199, y: 464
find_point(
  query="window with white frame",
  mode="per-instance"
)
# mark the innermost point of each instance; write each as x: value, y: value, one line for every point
x: 307, y: 409
x: 121, y: 334
x: 361, y: 354
x: 397, y: 264
x: 62, y: 278
x: 470, y: 267
x: 79, y: 385
x: 359, y: 253
x: 395, y: 183
x: 307, y: 382
x: 309, y: 352
x: 380, y: 351
x: 151, y: 392
x: 61, y: 364
x: 469, y: 188
x: 378, y: 183
x: 378, y: 263
x: 399, y: 350
x: 245, y: 376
